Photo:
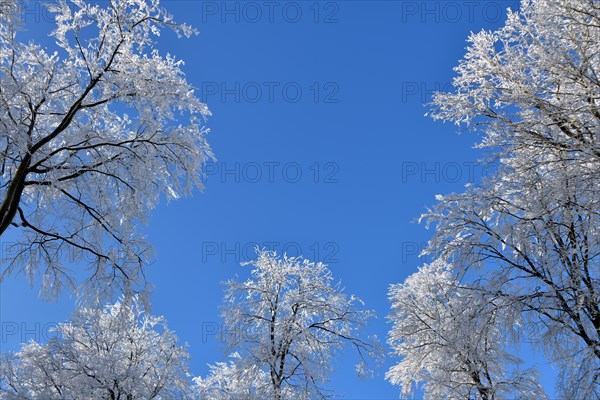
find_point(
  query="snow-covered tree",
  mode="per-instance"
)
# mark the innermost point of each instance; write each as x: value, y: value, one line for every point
x: 233, y: 381
x: 454, y: 341
x: 92, y: 132
x: 117, y: 352
x: 289, y: 320
x: 533, y: 229
x: 534, y: 82
x: 536, y: 228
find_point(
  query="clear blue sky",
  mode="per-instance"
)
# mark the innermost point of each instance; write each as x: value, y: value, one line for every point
x: 323, y: 148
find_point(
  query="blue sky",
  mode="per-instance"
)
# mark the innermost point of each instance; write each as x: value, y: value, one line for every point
x: 322, y: 149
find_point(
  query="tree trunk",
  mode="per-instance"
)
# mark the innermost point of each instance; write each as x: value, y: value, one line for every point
x: 9, y: 207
